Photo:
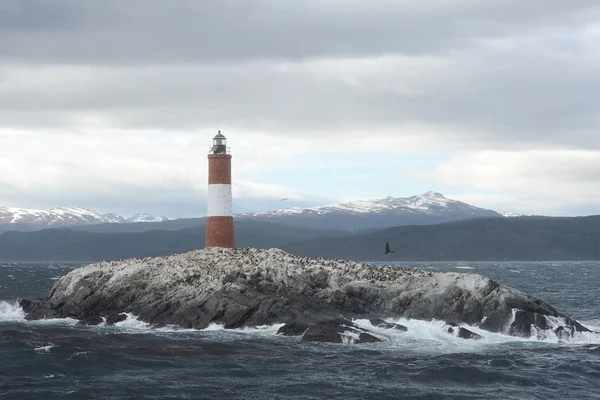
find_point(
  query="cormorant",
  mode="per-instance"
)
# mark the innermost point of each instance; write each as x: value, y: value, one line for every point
x: 387, y: 248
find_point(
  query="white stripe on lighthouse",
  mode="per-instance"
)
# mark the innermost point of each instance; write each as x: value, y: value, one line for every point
x: 219, y: 200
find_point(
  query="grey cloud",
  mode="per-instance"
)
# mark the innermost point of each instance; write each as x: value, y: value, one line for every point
x: 494, y: 100
x: 507, y: 74
x: 189, y: 31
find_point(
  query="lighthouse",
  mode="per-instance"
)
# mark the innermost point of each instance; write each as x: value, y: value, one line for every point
x: 219, y: 218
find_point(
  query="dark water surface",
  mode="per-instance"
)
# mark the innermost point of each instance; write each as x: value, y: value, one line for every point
x: 57, y: 360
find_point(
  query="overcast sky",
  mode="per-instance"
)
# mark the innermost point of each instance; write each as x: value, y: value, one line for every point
x: 111, y: 105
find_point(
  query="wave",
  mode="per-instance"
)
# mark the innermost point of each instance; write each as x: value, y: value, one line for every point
x: 132, y: 323
x: 422, y: 336
x: 11, y: 312
x: 44, y: 349
x: 464, y: 267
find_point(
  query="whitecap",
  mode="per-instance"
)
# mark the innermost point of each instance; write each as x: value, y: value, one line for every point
x: 262, y: 329
x: 11, y: 311
x: 45, y: 349
x: 421, y: 337
x: 78, y: 354
x: 55, y: 321
x: 132, y: 322
x: 432, y: 336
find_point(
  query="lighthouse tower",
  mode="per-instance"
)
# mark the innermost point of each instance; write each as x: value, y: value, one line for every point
x: 219, y: 221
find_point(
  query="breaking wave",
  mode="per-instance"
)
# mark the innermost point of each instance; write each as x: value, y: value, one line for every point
x: 422, y: 336
x: 11, y: 312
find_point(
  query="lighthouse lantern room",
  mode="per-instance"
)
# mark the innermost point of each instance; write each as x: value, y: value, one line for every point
x: 219, y: 144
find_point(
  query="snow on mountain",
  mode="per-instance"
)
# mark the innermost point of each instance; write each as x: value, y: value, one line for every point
x: 509, y: 214
x: 424, y: 209
x: 65, y: 216
x: 146, y: 218
x: 58, y: 216
x: 426, y: 203
x: 427, y: 208
x: 114, y: 218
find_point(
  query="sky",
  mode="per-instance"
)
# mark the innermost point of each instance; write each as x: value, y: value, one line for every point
x: 112, y: 105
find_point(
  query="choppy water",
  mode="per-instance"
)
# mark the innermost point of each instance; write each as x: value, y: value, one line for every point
x: 57, y: 360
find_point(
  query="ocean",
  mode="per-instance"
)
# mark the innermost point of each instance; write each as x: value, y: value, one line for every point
x: 54, y: 359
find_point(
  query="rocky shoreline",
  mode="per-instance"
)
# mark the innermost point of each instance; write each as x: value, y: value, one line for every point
x: 315, y: 298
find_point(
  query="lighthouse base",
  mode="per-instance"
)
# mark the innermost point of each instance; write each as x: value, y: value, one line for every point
x: 219, y: 232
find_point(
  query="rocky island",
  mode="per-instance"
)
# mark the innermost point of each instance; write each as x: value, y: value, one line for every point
x: 316, y: 298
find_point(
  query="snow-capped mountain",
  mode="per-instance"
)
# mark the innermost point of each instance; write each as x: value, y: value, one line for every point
x: 427, y: 208
x: 146, y: 218
x: 59, y: 216
x: 26, y: 218
x: 429, y: 203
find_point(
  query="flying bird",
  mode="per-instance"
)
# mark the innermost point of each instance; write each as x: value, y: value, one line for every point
x: 387, y: 248
x: 285, y: 198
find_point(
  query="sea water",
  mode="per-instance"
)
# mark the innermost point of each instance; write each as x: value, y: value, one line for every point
x: 55, y: 359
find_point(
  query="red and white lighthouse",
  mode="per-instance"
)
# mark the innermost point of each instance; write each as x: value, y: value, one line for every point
x: 219, y: 217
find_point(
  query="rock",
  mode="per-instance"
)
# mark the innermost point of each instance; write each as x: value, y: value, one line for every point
x: 472, y: 311
x: 322, y: 333
x: 461, y: 332
x: 93, y: 320
x: 250, y: 287
x: 367, y: 338
x: 338, y: 331
x: 293, y: 329
x: 114, y: 318
x: 378, y: 322
x: 467, y: 334
x: 27, y: 305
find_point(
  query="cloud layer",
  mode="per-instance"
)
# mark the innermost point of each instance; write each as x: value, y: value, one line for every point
x: 117, y: 101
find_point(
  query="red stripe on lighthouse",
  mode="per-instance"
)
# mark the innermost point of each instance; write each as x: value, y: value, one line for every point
x: 219, y: 232
x: 219, y: 169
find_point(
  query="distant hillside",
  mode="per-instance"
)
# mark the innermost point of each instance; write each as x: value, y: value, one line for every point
x: 520, y: 239
x: 497, y: 239
x: 72, y: 245
x: 170, y: 225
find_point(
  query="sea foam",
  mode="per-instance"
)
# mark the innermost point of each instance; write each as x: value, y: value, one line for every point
x: 11, y: 311
x: 421, y: 336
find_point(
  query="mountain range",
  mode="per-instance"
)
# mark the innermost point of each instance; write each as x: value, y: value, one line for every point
x: 426, y: 227
x: 425, y: 209
x: 20, y: 219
